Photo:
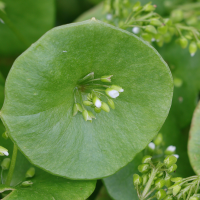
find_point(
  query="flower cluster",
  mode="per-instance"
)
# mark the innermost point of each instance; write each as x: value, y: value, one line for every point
x: 93, y: 95
x: 149, y: 25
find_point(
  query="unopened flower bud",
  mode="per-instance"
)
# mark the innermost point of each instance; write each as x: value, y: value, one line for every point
x: 168, y: 182
x: 158, y: 140
x: 86, y: 78
x: 159, y: 183
x: 149, y: 7
x: 162, y: 29
x: 176, y: 188
x: 183, y: 42
x: 193, y: 198
x: 151, y: 146
x: 172, y: 168
x: 5, y: 135
x: 97, y: 110
x: 30, y: 173
x: 27, y: 183
x: 144, y: 179
x: 105, y: 107
x: 143, y: 168
x: 112, y: 93
x: 97, y: 102
x: 160, y: 194
x: 150, y: 29
x: 118, y: 88
x: 91, y: 114
x: 146, y: 159
x: 137, y: 180
x: 168, y: 197
x: 155, y: 22
x: 170, y: 160
x: 137, y: 6
x: 77, y: 107
x: 87, y: 103
x: 177, y: 15
x: 192, y: 48
x: 3, y: 151
x: 176, y: 155
x: 5, y: 163
x: 178, y: 82
x: 111, y: 103
x: 168, y: 21
x: 177, y: 179
x: 86, y: 115
x: 147, y: 37
x: 159, y: 174
x: 106, y: 78
x: 170, y: 150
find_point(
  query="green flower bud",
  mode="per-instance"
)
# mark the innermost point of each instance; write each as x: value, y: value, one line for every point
x: 172, y: 168
x: 3, y: 151
x: 168, y: 182
x: 146, y: 159
x: 160, y: 194
x: 30, y: 173
x: 183, y: 42
x: 144, y: 179
x: 89, y: 97
x: 158, y: 140
x: 162, y: 29
x: 159, y: 174
x: 106, y: 79
x: 155, y: 22
x: 87, y: 103
x: 97, y: 110
x: 168, y: 197
x: 150, y: 29
x: 111, y: 103
x: 77, y: 107
x: 97, y: 102
x: 192, y: 21
x: 5, y: 163
x: 151, y: 147
x: 170, y: 160
x: 172, y: 30
x: 177, y: 179
x: 177, y: 15
x: 137, y: 180
x: 167, y: 37
x: 147, y: 37
x: 91, y: 114
x: 143, y: 168
x: 193, y: 198
x: 5, y: 135
x: 137, y: 6
x: 105, y: 107
x: 168, y: 21
x: 177, y: 83
x: 27, y: 183
x: 160, y: 42
x: 88, y: 77
x: 198, y: 44
x: 159, y: 183
x: 176, y: 188
x: 192, y: 48
x: 148, y: 7
x: 170, y: 150
x: 86, y: 116
x: 112, y: 93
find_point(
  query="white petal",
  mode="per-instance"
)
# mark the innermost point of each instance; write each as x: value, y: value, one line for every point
x: 136, y: 30
x: 192, y: 54
x: 152, y: 145
x: 171, y: 148
x: 108, y: 16
x: 98, y: 103
x: 121, y: 90
x: 5, y: 153
x: 113, y: 93
x: 176, y: 155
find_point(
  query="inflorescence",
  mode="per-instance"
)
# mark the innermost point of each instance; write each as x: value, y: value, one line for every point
x: 90, y: 94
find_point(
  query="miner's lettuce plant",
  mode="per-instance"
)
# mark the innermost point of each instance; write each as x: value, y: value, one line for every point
x: 86, y: 100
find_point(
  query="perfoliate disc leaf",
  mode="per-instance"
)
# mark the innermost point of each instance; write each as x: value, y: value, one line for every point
x: 40, y: 96
x: 193, y: 142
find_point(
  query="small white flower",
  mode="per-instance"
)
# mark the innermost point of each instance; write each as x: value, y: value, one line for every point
x: 136, y: 30
x: 151, y: 145
x: 192, y: 54
x: 153, y: 39
x: 121, y: 90
x: 109, y: 16
x: 3, y: 151
x: 112, y: 93
x: 97, y: 102
x: 171, y: 148
x: 176, y: 155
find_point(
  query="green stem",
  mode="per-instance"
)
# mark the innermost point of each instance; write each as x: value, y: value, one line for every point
x: 148, y: 185
x: 7, y: 21
x: 12, y: 165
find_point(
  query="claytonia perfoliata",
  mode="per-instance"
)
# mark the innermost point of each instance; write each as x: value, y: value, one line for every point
x: 3, y: 151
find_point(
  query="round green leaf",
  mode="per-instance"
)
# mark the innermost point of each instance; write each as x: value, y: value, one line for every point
x: 193, y: 143
x: 30, y: 18
x: 39, y: 99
